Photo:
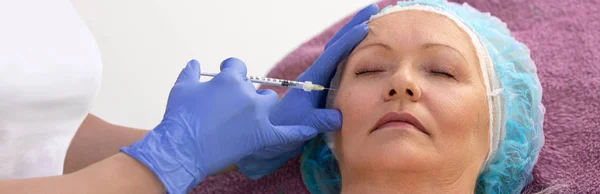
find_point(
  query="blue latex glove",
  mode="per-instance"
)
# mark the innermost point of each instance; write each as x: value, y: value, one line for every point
x: 208, y: 126
x: 303, y: 108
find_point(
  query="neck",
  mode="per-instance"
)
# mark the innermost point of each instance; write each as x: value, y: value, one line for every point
x: 413, y: 182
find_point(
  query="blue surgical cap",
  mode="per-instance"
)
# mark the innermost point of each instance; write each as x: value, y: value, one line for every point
x: 514, y: 97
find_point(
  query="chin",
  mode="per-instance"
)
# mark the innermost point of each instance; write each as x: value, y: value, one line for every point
x: 387, y: 153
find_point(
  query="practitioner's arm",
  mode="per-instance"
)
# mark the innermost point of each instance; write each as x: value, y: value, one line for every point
x: 117, y: 174
x: 207, y: 127
x: 96, y: 140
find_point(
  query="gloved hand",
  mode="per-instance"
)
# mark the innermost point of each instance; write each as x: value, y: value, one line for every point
x: 303, y: 108
x: 210, y: 125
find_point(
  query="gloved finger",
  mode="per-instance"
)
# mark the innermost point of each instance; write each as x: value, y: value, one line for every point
x: 362, y: 16
x: 266, y: 92
x: 190, y: 73
x: 268, y: 97
x: 234, y: 65
x: 324, y: 120
x: 324, y: 68
x: 291, y: 134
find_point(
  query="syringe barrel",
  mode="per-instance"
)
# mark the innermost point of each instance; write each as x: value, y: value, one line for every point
x: 275, y: 82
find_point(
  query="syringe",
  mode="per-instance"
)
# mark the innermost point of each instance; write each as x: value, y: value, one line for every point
x: 306, y: 86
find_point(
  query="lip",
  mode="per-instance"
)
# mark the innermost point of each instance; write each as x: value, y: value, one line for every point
x: 399, y: 117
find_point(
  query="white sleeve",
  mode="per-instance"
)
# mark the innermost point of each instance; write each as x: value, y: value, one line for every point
x: 50, y: 72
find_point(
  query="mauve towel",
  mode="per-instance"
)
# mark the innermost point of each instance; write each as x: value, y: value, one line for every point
x: 564, y: 40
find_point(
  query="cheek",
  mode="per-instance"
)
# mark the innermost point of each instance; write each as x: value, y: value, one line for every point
x: 461, y: 118
x: 356, y: 102
x: 457, y: 111
x: 452, y: 110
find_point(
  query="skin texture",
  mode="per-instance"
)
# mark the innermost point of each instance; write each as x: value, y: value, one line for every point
x: 423, y: 64
x: 97, y: 139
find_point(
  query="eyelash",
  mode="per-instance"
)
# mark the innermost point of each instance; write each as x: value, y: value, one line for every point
x: 368, y: 70
x: 442, y: 72
x: 374, y: 70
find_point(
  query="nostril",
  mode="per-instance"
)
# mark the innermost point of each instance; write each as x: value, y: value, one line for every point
x: 409, y: 92
x: 392, y: 92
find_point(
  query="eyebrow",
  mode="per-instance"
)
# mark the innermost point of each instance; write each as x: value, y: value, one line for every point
x: 372, y: 45
x: 424, y: 47
x: 429, y: 45
x: 378, y: 43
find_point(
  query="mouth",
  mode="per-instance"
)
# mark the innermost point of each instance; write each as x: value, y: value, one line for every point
x: 399, y: 120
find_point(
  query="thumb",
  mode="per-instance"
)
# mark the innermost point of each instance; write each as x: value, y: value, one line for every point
x: 291, y: 134
x: 324, y: 120
x: 234, y: 65
x: 190, y: 73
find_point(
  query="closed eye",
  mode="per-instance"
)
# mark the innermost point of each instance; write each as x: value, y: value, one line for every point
x: 368, y: 71
x: 443, y: 73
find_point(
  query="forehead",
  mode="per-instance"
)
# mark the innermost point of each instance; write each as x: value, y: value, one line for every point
x: 413, y: 28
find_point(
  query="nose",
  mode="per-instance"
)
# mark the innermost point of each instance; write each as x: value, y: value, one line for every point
x: 403, y: 86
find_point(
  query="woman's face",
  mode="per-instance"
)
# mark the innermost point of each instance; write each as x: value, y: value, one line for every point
x: 413, y: 64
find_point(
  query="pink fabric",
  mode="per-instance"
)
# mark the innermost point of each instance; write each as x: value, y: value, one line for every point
x: 564, y: 40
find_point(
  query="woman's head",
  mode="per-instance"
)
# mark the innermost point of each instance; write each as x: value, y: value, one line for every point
x: 423, y: 67
x: 434, y: 70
